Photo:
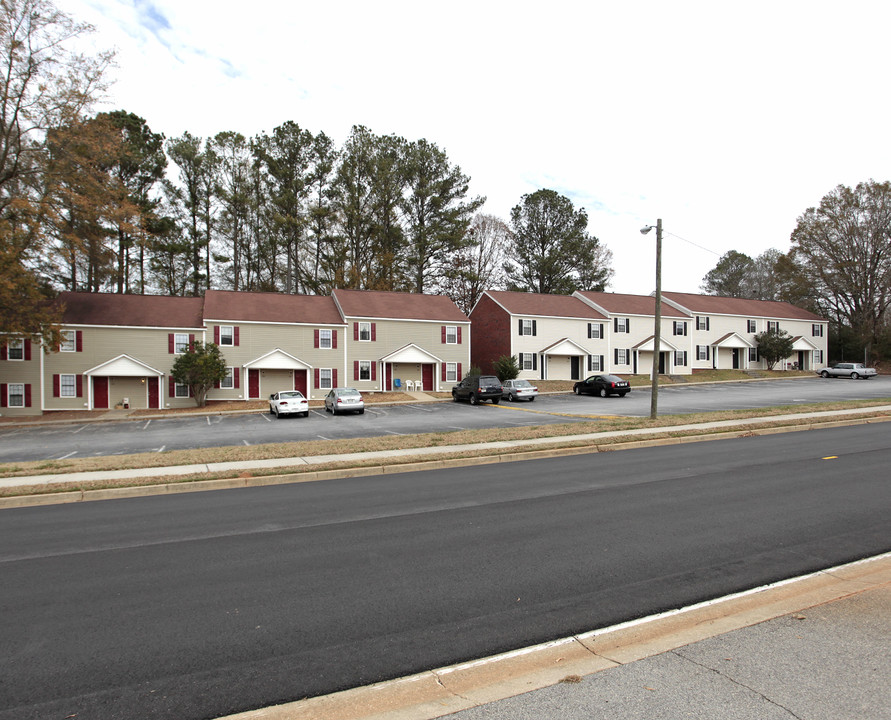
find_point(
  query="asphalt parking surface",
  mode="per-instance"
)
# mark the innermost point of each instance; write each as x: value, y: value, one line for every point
x: 56, y: 442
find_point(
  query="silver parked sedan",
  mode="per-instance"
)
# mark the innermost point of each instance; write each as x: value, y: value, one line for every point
x: 344, y: 400
x: 515, y: 390
x: 288, y: 402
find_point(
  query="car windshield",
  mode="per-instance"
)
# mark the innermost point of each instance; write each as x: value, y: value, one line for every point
x: 612, y: 378
x: 522, y: 384
x: 290, y: 394
x: 348, y: 391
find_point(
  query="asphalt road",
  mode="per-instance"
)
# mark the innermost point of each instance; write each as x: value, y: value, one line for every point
x: 204, y: 604
x: 157, y: 435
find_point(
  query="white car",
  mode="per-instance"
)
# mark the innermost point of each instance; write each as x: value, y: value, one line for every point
x: 515, y: 390
x: 851, y: 370
x: 288, y: 402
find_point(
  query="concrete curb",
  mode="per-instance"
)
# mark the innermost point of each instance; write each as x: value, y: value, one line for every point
x: 408, y: 460
x: 459, y: 687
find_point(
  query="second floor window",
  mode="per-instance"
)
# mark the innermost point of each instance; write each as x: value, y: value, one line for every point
x: 181, y: 345
x: 15, y: 349
x: 527, y: 327
x: 701, y: 322
x: 752, y: 326
x: 680, y: 327
x: 365, y: 331
x: 451, y: 334
x: 817, y: 330
x: 227, y: 335
x: 68, y: 341
x: 773, y: 326
x: 325, y: 340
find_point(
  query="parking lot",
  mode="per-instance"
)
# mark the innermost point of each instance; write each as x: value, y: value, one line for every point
x: 22, y: 443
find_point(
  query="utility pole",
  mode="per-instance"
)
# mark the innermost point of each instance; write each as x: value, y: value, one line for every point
x: 657, y: 331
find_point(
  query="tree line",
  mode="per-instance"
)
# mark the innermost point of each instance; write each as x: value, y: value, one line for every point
x: 102, y: 202
x: 839, y: 266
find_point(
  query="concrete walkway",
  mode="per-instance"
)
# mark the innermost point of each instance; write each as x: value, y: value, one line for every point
x: 500, y: 450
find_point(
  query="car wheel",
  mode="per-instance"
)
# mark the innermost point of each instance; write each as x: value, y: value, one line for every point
x: 510, y: 396
x: 454, y: 396
x: 578, y: 390
x: 824, y: 374
x: 531, y: 399
x: 474, y: 400
x: 362, y: 411
x: 495, y: 401
x: 603, y: 392
x: 276, y: 413
x: 306, y: 414
x: 855, y: 376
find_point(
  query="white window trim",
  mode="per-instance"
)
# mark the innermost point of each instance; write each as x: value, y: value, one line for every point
x: 622, y: 325
x: 230, y: 378
x: 69, y: 341
x: 71, y: 386
x: 526, y: 361
x: 325, y: 376
x: 751, y: 326
x: 527, y: 326
x: 364, y: 370
x: 18, y: 344
x: 622, y: 357
x: 451, y: 372
x: 10, y: 394
x: 702, y: 352
x: 364, y: 329
x: 231, y: 342
x: 179, y: 347
x: 178, y: 389
x: 451, y: 334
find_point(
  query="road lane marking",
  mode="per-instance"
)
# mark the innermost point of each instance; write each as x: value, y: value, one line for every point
x: 831, y: 457
x: 67, y: 456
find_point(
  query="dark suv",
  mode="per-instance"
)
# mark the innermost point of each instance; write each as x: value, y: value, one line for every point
x: 476, y: 388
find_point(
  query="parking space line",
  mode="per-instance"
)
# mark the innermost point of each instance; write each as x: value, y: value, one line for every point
x: 265, y: 417
x: 323, y: 437
x: 392, y: 432
x: 147, y: 423
x: 418, y: 407
x: 75, y: 432
x: 246, y: 443
x: 65, y: 457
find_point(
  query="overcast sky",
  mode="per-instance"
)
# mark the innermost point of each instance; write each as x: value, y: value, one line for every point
x: 726, y: 120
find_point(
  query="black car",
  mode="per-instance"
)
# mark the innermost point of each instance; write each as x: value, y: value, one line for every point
x: 603, y: 385
x: 478, y: 387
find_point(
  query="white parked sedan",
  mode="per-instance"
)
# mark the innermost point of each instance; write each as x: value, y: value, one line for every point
x: 515, y: 390
x: 288, y: 402
x: 851, y: 370
x: 344, y: 400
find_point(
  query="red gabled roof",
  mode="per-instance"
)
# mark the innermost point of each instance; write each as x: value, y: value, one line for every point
x: 131, y: 310
x: 521, y: 303
x: 623, y: 304
x: 223, y: 305
x: 739, y: 306
x: 397, y: 306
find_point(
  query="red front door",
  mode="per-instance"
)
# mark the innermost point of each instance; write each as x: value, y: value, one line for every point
x: 100, y: 392
x: 427, y: 375
x: 300, y: 381
x: 154, y: 401
x: 253, y: 383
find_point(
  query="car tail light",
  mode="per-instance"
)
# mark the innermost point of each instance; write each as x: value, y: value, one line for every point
x: 612, y: 384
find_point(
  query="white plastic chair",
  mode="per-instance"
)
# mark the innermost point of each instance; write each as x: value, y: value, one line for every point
x: 410, y: 385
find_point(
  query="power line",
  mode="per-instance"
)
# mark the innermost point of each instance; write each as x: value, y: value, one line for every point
x: 690, y: 242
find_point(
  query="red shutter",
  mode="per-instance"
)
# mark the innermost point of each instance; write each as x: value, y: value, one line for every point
x: 170, y: 343
x: 443, y: 334
x: 355, y: 369
x: 79, y: 341
x: 459, y: 371
x: 28, y: 395
x: 334, y: 377
x: 315, y: 376
x: 374, y: 369
x: 216, y: 334
x: 191, y: 342
x: 27, y: 349
x: 334, y: 339
x: 2, y: 394
x: 2, y: 352
x: 315, y: 340
x: 235, y: 339
x: 355, y: 331
x: 216, y: 384
x: 171, y: 388
x: 237, y: 373
x: 80, y: 385
x: 443, y: 371
x: 373, y: 332
x: 459, y: 334
x: 55, y: 386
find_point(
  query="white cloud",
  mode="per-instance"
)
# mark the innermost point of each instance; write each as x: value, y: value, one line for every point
x: 727, y: 121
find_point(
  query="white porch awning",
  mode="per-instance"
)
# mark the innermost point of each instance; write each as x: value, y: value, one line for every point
x: 123, y: 366
x: 277, y: 359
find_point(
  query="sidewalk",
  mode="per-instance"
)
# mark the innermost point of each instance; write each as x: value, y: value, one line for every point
x: 367, y: 462
x: 814, y: 647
